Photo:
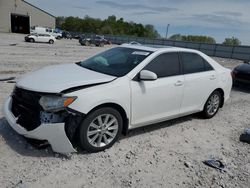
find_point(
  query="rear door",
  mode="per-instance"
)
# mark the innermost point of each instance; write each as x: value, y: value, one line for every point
x: 200, y: 80
x: 47, y: 37
x: 160, y: 99
x: 40, y: 38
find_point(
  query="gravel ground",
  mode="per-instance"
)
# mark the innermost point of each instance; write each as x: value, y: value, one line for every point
x: 168, y: 154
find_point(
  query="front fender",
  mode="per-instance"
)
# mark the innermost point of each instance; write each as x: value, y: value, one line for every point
x: 117, y: 92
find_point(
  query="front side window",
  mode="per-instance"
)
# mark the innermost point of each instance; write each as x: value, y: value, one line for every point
x: 116, y: 62
x: 165, y: 65
x: 194, y: 63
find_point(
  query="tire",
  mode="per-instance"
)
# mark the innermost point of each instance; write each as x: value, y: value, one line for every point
x: 51, y: 41
x: 32, y: 40
x: 93, y: 136
x: 212, y: 105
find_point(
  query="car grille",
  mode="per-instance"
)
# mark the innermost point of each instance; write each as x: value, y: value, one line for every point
x: 26, y: 107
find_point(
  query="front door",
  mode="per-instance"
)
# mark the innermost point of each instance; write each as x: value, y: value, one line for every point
x: 158, y: 100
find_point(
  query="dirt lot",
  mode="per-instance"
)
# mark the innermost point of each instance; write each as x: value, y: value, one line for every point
x: 169, y: 154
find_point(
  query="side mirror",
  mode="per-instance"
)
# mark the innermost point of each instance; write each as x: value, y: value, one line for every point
x: 147, y: 75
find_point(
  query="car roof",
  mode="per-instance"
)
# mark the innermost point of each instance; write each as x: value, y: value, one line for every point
x: 154, y: 48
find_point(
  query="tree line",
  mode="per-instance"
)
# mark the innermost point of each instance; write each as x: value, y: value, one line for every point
x: 114, y: 26
x: 111, y: 25
x: 204, y: 39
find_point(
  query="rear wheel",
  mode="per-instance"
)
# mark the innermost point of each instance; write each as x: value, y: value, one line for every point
x: 212, y: 105
x: 51, y: 41
x: 31, y: 40
x: 100, y: 129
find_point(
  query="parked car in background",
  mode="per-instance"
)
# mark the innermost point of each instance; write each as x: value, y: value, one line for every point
x: 66, y: 35
x: 96, y: 40
x: 35, y: 37
x: 92, y: 102
x: 45, y: 30
x: 241, y: 74
x: 75, y: 35
x: 134, y: 43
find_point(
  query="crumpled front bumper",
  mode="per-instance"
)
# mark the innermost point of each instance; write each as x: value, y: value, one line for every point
x: 54, y: 133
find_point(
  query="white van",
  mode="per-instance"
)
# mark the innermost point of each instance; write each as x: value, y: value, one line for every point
x: 45, y: 30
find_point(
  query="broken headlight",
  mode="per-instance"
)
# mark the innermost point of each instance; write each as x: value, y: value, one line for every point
x: 55, y: 103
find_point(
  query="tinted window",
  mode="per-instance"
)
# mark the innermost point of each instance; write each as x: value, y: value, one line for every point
x: 194, y: 63
x: 165, y: 65
x: 208, y: 67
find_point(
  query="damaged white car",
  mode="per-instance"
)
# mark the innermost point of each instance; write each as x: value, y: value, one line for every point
x: 92, y: 102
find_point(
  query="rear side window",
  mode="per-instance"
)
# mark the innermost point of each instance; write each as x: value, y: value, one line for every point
x: 208, y: 67
x: 194, y: 63
x: 165, y: 65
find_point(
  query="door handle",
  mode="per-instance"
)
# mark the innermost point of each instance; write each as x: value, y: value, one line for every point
x: 178, y: 83
x: 212, y: 77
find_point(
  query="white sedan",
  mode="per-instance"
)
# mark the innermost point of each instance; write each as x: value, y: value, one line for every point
x: 92, y: 102
x: 40, y: 38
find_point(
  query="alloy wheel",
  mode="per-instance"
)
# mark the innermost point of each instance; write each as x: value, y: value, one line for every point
x: 213, y: 104
x: 102, y: 130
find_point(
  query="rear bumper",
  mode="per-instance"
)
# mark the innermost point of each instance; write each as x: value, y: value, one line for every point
x: 54, y: 133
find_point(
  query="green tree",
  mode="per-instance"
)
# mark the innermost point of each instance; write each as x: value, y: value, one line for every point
x: 233, y: 41
x: 193, y: 38
x: 59, y: 21
x: 111, y: 25
x: 176, y: 37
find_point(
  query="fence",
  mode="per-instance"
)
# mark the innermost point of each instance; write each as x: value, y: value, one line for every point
x: 216, y: 50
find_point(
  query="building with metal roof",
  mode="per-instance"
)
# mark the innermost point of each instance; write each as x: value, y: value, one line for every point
x: 18, y: 16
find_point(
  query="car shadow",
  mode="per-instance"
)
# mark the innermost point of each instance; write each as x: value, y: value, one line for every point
x: 19, y: 144
x: 161, y: 125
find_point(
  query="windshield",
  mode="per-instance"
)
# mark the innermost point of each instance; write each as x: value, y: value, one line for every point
x: 116, y: 61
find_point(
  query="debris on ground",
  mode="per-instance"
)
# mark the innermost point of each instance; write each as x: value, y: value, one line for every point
x: 7, y: 79
x: 217, y: 164
x: 13, y: 44
x: 20, y: 184
x: 245, y: 136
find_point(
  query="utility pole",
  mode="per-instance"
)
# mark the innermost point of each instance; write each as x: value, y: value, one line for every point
x: 167, y: 31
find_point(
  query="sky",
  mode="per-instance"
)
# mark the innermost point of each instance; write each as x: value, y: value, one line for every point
x: 215, y: 18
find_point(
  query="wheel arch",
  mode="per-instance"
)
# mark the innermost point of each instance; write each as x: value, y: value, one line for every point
x: 120, y: 109
x: 222, y: 95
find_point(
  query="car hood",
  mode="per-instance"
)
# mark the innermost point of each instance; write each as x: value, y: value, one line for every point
x: 56, y: 78
x: 244, y: 68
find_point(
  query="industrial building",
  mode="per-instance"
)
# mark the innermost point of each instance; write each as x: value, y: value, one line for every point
x: 18, y: 16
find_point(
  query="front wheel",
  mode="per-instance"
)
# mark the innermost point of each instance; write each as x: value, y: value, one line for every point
x: 212, y: 105
x: 100, y: 129
x: 51, y: 41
